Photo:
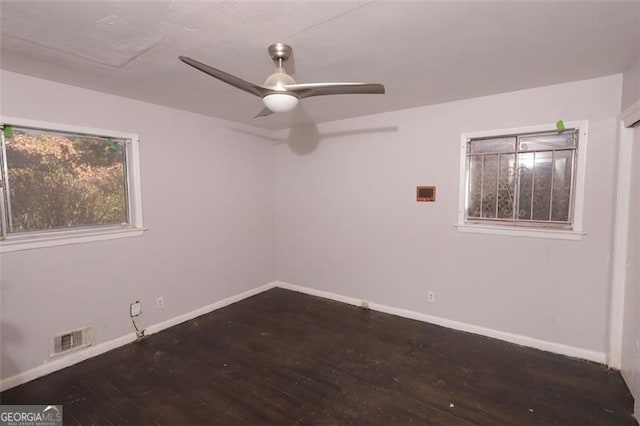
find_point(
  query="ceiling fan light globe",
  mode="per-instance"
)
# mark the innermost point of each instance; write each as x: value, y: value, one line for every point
x: 280, y: 102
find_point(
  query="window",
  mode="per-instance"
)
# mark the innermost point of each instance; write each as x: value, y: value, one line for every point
x: 523, y: 181
x: 61, y: 185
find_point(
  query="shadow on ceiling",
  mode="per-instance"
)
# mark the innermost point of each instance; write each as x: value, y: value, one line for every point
x: 304, y: 139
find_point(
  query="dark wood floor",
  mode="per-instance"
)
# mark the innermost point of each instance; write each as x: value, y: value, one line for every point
x: 286, y: 358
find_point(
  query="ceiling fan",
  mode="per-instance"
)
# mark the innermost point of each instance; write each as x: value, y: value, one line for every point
x: 280, y: 92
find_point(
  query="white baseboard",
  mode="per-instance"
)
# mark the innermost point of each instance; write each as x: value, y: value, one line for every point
x: 65, y: 361
x: 95, y: 350
x: 206, y: 309
x: 544, y: 345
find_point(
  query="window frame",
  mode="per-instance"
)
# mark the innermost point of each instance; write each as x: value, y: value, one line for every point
x: 523, y: 229
x: 51, y: 238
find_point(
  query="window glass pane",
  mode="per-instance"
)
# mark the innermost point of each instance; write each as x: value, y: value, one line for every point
x: 561, y: 197
x: 490, y: 186
x: 547, y: 142
x: 525, y: 179
x: 504, y: 144
x: 475, y: 186
x: 59, y: 181
x: 506, y: 186
x: 542, y: 185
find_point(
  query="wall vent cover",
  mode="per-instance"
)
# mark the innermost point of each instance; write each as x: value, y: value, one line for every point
x: 71, y: 340
x: 426, y: 193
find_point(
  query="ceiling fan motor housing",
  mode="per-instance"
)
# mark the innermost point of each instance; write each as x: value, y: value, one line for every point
x: 279, y: 51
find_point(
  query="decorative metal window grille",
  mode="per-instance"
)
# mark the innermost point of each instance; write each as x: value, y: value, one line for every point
x: 525, y: 179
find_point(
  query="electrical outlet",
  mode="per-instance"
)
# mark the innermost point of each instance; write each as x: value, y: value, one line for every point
x: 431, y: 296
x: 160, y: 302
x: 135, y: 308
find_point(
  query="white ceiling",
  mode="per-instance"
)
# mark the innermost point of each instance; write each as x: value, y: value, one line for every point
x: 425, y: 52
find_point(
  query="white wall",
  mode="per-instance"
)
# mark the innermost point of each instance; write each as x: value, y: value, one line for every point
x: 631, y: 328
x: 631, y: 85
x: 207, y: 188
x: 347, y: 221
x: 631, y: 325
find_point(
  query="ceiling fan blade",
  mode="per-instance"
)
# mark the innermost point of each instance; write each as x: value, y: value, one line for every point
x: 264, y: 113
x: 307, y: 90
x: 247, y: 86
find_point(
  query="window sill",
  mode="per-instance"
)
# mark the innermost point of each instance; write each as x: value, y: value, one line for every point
x: 515, y: 231
x: 53, y: 239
